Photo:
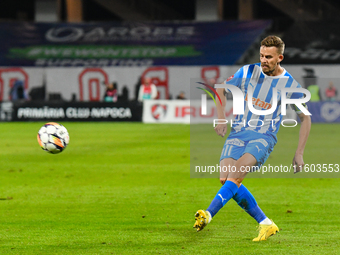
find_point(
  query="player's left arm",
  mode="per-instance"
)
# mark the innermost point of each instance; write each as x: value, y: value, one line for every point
x: 303, y: 136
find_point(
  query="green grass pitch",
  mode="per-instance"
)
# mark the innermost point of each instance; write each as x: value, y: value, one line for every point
x: 125, y: 188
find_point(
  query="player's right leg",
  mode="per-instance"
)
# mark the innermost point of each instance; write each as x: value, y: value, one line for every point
x: 229, y: 188
x: 203, y: 217
x: 226, y: 192
x: 233, y: 149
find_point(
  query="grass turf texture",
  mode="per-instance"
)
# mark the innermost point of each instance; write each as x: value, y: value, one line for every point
x: 126, y: 189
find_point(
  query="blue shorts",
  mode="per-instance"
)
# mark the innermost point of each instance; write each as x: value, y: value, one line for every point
x: 257, y: 144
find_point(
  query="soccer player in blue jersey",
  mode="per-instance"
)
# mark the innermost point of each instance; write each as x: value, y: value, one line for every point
x: 250, y: 143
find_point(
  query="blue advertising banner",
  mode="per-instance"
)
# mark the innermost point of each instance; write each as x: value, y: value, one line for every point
x: 127, y: 43
x: 326, y: 111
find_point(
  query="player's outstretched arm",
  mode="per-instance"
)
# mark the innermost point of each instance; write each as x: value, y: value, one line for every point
x: 303, y: 136
x: 221, y: 129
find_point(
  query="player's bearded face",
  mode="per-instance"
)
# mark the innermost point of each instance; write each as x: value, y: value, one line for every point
x: 270, y: 59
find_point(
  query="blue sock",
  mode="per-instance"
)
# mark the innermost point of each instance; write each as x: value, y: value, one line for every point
x: 247, y: 202
x: 227, y: 191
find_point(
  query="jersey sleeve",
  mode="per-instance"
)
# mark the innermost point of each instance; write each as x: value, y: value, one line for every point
x: 297, y: 95
x: 235, y: 79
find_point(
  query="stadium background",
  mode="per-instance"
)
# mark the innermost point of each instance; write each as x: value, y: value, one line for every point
x: 83, y: 201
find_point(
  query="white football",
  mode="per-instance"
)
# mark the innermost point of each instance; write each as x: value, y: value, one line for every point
x: 53, y: 137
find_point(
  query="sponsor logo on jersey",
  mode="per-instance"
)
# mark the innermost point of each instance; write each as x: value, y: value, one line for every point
x: 258, y: 102
x: 230, y: 78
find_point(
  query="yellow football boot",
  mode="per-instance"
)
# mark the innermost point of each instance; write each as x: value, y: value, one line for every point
x: 202, y: 219
x: 265, y: 231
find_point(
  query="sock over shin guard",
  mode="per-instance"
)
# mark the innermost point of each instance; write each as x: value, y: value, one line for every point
x: 247, y: 202
x: 227, y: 191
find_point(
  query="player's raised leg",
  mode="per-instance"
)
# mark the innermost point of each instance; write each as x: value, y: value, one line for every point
x: 203, y: 217
x: 226, y: 192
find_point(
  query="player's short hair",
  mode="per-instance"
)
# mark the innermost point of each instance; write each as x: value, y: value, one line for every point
x: 274, y: 41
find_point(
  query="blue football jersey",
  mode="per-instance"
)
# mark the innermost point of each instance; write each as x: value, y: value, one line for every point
x: 262, y: 99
